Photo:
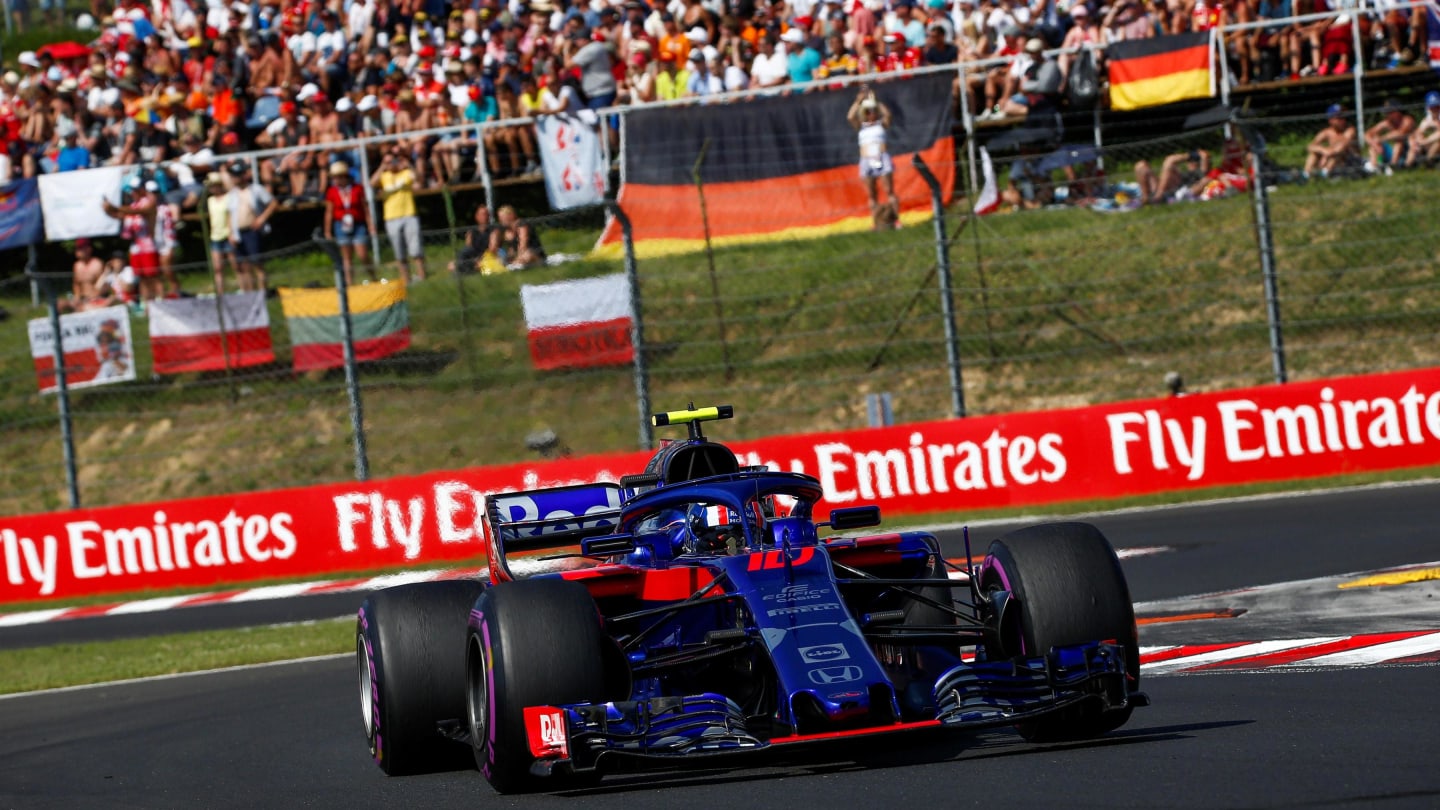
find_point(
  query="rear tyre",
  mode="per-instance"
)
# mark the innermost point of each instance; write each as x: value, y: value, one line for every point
x: 1069, y: 588
x: 531, y: 643
x: 410, y: 662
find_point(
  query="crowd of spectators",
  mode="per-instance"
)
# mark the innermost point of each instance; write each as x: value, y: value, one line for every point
x: 195, y: 80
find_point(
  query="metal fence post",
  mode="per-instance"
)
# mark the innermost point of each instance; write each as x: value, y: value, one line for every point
x: 460, y: 289
x: 62, y: 392
x: 947, y: 297
x: 347, y: 341
x: 372, y: 220
x: 637, y: 328
x: 482, y: 166
x: 1265, y: 241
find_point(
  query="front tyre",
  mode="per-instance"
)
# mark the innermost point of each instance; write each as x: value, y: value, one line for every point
x: 410, y: 664
x: 531, y: 643
x: 1068, y: 584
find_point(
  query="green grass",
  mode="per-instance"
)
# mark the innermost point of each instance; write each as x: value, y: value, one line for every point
x: 100, y: 661
x: 1064, y: 308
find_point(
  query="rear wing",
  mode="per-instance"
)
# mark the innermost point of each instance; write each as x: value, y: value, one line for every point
x: 525, y: 523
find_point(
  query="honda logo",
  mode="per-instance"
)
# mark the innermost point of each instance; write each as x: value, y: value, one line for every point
x: 825, y: 676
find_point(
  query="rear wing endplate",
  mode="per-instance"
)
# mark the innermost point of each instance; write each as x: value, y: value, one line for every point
x: 551, y: 518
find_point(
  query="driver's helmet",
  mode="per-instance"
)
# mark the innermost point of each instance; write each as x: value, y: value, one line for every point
x: 700, y: 528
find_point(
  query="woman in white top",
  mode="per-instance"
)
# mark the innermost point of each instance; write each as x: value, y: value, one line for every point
x: 871, y: 120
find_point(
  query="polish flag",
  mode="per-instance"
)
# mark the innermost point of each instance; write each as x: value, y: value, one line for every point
x: 190, y: 334
x: 989, y: 199
x: 580, y: 323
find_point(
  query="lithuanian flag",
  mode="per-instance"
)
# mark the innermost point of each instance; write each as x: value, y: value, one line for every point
x: 379, y: 318
x: 1159, y: 70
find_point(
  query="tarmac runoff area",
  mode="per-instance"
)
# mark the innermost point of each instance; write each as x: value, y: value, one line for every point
x: 1331, y: 597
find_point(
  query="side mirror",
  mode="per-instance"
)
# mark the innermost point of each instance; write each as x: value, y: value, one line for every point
x: 607, y: 544
x: 854, y: 517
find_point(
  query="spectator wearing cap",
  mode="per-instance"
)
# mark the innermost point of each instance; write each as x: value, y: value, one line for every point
x: 639, y: 80
x: 802, y: 61
x: 703, y: 82
x: 72, y: 155
x: 332, y: 51
x: 1334, y: 147
x: 348, y: 118
x: 871, y: 120
x: 287, y: 132
x: 1039, y: 84
x: 671, y: 81
x: 1386, y: 142
x: 1425, y: 140
x: 217, y: 214
x: 347, y: 221
x: 597, y: 77
x: 137, y: 226
x: 1084, y: 33
x: 395, y: 181
x: 250, y: 206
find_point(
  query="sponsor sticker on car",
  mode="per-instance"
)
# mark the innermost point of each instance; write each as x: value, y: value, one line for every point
x: 545, y: 728
x: 821, y: 653
x: 829, y: 676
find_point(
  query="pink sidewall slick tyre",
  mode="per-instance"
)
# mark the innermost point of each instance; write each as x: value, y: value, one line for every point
x: 1070, y: 589
x: 410, y: 666
x: 531, y: 643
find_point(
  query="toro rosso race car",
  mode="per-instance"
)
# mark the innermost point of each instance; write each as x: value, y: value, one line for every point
x: 696, y: 610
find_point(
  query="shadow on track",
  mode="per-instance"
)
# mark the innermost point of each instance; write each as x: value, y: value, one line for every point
x: 919, y: 749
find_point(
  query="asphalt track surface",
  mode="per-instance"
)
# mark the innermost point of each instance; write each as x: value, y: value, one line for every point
x: 290, y: 736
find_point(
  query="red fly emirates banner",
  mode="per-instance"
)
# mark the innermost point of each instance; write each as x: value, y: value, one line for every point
x: 1301, y: 430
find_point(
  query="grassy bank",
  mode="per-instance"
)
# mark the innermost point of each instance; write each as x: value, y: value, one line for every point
x: 1055, y: 309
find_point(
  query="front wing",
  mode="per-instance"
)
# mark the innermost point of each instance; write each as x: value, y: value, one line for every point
x: 972, y: 695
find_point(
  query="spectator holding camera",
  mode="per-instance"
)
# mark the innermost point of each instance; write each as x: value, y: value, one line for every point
x: 395, y: 181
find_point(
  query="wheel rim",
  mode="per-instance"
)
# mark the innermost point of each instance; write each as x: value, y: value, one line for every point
x: 367, y: 686
x: 477, y: 703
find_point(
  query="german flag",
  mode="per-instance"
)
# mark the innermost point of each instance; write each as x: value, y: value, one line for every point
x: 379, y: 324
x: 780, y: 167
x: 1159, y: 70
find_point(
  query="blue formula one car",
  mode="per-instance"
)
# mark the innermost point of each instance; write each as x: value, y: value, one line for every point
x: 695, y: 610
